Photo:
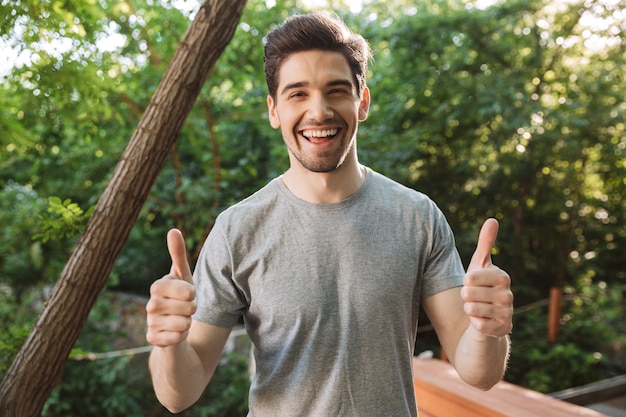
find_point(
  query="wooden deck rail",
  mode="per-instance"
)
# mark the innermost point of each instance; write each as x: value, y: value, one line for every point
x: 440, y: 392
x: 594, y: 392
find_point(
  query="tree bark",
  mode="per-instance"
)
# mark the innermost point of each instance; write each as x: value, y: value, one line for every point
x: 39, y: 364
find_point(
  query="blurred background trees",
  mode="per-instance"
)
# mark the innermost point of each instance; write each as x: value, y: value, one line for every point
x: 513, y: 110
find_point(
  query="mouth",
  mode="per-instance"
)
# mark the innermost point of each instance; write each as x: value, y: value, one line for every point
x: 319, y: 135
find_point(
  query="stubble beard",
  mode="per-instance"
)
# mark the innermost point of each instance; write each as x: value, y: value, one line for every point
x: 323, y: 163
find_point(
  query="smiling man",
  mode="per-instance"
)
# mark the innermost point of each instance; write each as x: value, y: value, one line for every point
x: 318, y: 111
x: 328, y: 264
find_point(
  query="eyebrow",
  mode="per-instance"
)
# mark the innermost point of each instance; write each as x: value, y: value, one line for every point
x: 333, y: 83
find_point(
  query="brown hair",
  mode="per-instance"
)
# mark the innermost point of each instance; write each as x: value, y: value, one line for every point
x: 318, y: 30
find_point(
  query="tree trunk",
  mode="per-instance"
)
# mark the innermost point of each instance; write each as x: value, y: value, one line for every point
x: 39, y: 364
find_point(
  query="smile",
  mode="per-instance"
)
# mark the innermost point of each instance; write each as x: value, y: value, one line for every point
x: 326, y: 133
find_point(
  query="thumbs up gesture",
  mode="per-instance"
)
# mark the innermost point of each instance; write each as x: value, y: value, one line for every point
x: 486, y: 288
x: 172, y: 298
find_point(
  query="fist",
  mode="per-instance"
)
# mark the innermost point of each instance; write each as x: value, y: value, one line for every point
x: 486, y: 292
x: 172, y: 298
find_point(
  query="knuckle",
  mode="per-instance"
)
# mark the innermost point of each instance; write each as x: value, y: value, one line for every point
x: 149, y: 321
x: 154, y: 337
x: 469, y: 278
x: 153, y: 322
x: 193, y: 307
x: 465, y: 293
x: 479, y: 325
x: 505, y: 278
x: 189, y: 293
x: 510, y: 298
x: 152, y: 306
x: 156, y: 287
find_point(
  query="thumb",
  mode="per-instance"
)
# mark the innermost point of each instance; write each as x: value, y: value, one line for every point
x: 178, y: 253
x: 486, y: 239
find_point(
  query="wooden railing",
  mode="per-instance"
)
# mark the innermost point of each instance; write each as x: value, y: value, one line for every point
x: 595, y: 392
x: 440, y: 392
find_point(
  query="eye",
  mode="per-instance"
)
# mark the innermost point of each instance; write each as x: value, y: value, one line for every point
x: 340, y: 92
x: 296, y: 94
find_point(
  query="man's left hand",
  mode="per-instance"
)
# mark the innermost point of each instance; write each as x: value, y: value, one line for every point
x: 486, y: 288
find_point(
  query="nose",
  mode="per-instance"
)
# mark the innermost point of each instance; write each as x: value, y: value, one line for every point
x: 320, y: 109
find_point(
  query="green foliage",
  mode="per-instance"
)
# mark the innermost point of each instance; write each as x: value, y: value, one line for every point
x: 10, y: 341
x: 16, y: 331
x: 589, y: 346
x: 489, y: 114
x: 65, y: 219
x: 96, y: 388
x: 23, y: 259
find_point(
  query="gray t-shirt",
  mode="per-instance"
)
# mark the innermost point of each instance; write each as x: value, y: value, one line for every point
x: 329, y: 293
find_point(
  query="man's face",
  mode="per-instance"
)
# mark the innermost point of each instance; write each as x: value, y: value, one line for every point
x: 317, y: 109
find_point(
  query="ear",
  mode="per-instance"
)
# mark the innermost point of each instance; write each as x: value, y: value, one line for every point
x: 271, y: 111
x: 364, y: 105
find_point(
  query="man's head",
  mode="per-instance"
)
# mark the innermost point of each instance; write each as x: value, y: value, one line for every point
x: 315, y: 31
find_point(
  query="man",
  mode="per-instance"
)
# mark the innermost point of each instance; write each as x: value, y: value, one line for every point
x: 328, y: 264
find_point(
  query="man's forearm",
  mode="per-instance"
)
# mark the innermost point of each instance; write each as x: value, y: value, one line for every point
x: 177, y: 376
x: 481, y: 360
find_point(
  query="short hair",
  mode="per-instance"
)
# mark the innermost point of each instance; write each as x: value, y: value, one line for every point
x: 319, y: 30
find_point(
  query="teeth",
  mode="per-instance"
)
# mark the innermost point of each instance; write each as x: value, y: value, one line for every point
x: 319, y: 133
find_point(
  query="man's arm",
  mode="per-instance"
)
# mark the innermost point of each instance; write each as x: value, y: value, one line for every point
x: 181, y: 372
x: 480, y: 360
x: 473, y: 321
x: 186, y: 352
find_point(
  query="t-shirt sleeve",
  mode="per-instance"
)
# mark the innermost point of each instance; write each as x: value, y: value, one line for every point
x: 444, y: 269
x: 219, y: 300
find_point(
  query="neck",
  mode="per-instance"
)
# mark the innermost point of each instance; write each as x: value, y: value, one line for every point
x: 325, y: 187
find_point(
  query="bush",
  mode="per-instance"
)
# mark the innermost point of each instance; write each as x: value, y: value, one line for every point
x: 588, y: 344
x: 19, y: 318
x: 121, y: 386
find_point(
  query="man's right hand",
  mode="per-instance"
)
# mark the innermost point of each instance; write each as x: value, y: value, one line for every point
x: 172, y: 298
